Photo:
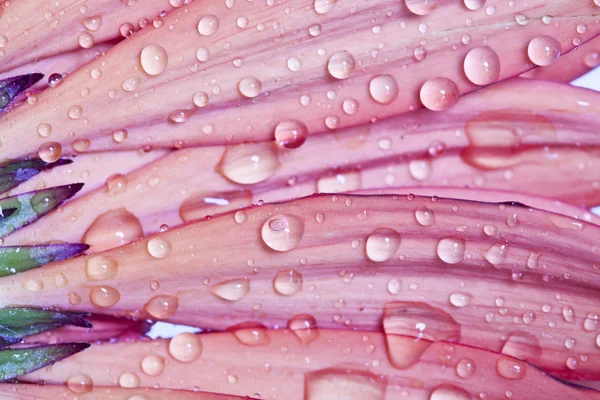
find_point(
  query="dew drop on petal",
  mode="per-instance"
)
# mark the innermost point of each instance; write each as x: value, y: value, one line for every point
x: 283, y: 232
x: 86, y: 40
x: 80, y: 384
x: 421, y: 7
x: 543, y: 50
x: 439, y: 94
x: 154, y: 59
x: 162, y: 306
x: 288, y: 282
x: 50, y: 152
x: 129, y: 380
x: 591, y: 322
x: 384, y: 89
x: 451, y: 250
x: 92, y: 23
x: 208, y: 25
x: 112, y: 229
x: 153, y: 365
x: 304, y: 326
x: 382, y: 244
x: 249, y: 87
x: 482, y: 65
x: 449, y: 392
x: 465, y: 368
x: 249, y: 163
x: 104, y: 296
x: 425, y: 216
x: 458, y: 299
x: 291, y: 133
x: 419, y: 169
x: 394, y: 286
x: 324, y: 6
x: 159, y: 247
x: 231, y: 290
x: 185, y: 347
x: 341, y: 65
x: 101, y: 268
x: 510, y: 368
x: 251, y: 334
x: 350, y: 106
x: 474, y: 5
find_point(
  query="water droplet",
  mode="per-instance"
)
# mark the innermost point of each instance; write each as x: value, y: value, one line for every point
x: 200, y: 99
x: 384, y: 89
x: 240, y: 217
x: 104, y: 296
x: 86, y: 40
x: 421, y: 7
x: 127, y: 29
x: 532, y: 260
x: 522, y: 346
x: 288, y: 282
x: 50, y: 152
x: 543, y: 50
x: 131, y: 84
x: 420, y: 53
x: 283, y: 232
x: 439, y: 94
x: 232, y: 290
x: 55, y: 80
x: 425, y: 216
x: 451, y: 250
x: 490, y: 230
x: 180, y: 116
x: 120, y: 135
x: 44, y: 130
x: 449, y: 392
x: 33, y: 285
x: 291, y: 133
x: 382, y: 244
x: 162, y: 306
x: 153, y: 365
x: 75, y: 112
x: 341, y: 65
x: 571, y: 363
x: 394, y: 286
x: 343, y: 383
x: 411, y: 327
x: 208, y: 25
x: 112, y: 229
x: 474, y: 4
x: 591, y: 322
x: 324, y: 6
x: 496, y: 255
x: 80, y: 384
x: 116, y: 184
x: 568, y: 314
x: 249, y: 163
x: 314, y: 30
x: 465, y: 368
x: 159, y: 247
x: 129, y: 380
x: 304, y: 327
x: 460, y: 299
x: 510, y: 368
x: 339, y: 183
x: 419, y: 169
x: 154, y: 59
x: 249, y: 87
x: 101, y: 268
x: 185, y: 347
x: 60, y: 280
x: 74, y: 298
x: 482, y: 65
x: 199, y: 205
x: 92, y: 23
x: 294, y: 64
x: 251, y: 334
x: 242, y: 22
x: 350, y: 106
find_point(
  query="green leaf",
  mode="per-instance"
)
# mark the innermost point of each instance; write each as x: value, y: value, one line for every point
x: 19, y: 322
x: 11, y: 88
x: 32, y: 206
x: 15, y: 259
x: 16, y: 362
x: 32, y: 163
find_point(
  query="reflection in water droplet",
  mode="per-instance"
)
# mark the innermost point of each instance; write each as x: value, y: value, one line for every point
x: 92, y: 23
x: 154, y: 59
x: 482, y: 65
x: 591, y: 322
x: 112, y: 229
x: 394, y: 286
x: 439, y: 94
x: 283, y: 232
x: 291, y: 133
x: 382, y: 244
x: 496, y: 255
x: 304, y: 327
x: 249, y: 163
x: 33, y: 285
x: 419, y: 169
x: 543, y: 50
x: 162, y: 306
x: 384, y: 89
x: 129, y: 380
x: 231, y: 290
x: 474, y: 4
x: 523, y: 346
x: 288, y: 282
x: 199, y: 205
x: 568, y: 314
x: 185, y: 347
x: 451, y: 250
x: 50, y: 152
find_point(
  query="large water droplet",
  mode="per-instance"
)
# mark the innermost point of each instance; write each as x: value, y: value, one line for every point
x: 382, y: 244
x: 232, y: 290
x: 458, y: 299
x: 104, y: 296
x: 465, y: 368
x: 419, y: 169
x: 421, y: 7
x: 384, y: 89
x: 411, y: 327
x: 251, y: 334
x: 288, y: 282
x: 591, y: 322
x: 496, y: 255
x: 200, y: 205
x: 339, y: 183
x: 451, y: 250
x: 439, y: 94
x: 33, y: 285
x: 92, y: 23
x: 425, y: 216
x: 341, y: 65
x: 510, y: 368
x: 185, y: 347
x: 283, y: 232
x: 249, y: 163
x: 208, y: 25
x: 568, y: 314
x: 159, y: 247
x: 154, y: 59
x: 50, y: 152
x: 162, y: 306
x: 543, y: 50
x: 343, y: 383
x: 129, y: 380
x: 304, y: 327
x: 80, y: 384
x: 324, y: 6
x: 522, y: 345
x: 449, y: 392
x: 249, y: 87
x: 482, y: 65
x: 474, y: 4
x: 112, y: 229
x: 291, y: 133
x: 101, y: 268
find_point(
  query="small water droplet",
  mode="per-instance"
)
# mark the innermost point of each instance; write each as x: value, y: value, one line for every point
x: 382, y: 244
x: 185, y: 347
x: 153, y: 365
x: 80, y: 384
x: 283, y: 232
x: 496, y: 255
x: 104, y: 296
x: 394, y: 286
x: 465, y: 368
x: 324, y: 6
x: 424, y: 216
x: 291, y: 133
x: 341, y: 65
x: 159, y: 247
x: 474, y: 5
x: 231, y: 290
x: 101, y: 268
x: 92, y: 23
x: 86, y: 40
x: 304, y: 327
x: 162, y: 306
x: 112, y: 229
x: 439, y: 94
x: 591, y: 322
x: 208, y: 25
x: 50, y: 152
x: 249, y: 163
x: 510, y: 368
x: 421, y: 7
x: 288, y: 282
x: 384, y: 89
x: 568, y: 314
x: 129, y: 380
x: 33, y: 285
x: 154, y: 59
x: 251, y: 334
x: 449, y: 392
x: 419, y: 169
x: 451, y: 250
